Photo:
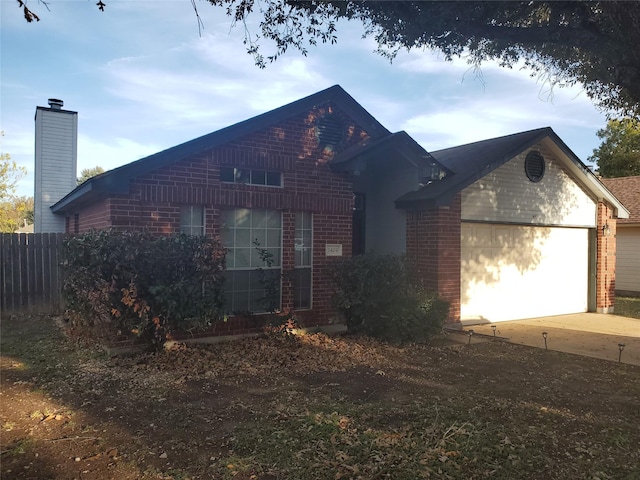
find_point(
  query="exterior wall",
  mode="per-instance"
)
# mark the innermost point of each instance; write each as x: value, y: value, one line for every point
x: 55, y: 165
x: 507, y: 195
x: 386, y: 225
x: 433, y: 246
x: 605, y: 260
x: 154, y: 201
x: 628, y: 259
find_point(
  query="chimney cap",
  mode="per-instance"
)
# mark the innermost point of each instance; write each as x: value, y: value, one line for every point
x: 55, y: 103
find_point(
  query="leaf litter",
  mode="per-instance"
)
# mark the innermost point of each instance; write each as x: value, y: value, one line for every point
x: 312, y: 407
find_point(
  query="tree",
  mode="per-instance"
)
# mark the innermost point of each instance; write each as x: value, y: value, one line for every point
x: 619, y: 153
x: 593, y: 43
x: 13, y: 210
x: 87, y: 173
x: 10, y: 173
x: 16, y: 212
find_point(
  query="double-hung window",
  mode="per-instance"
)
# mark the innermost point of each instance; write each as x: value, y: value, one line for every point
x: 253, y: 239
x: 192, y: 219
x: 303, y: 257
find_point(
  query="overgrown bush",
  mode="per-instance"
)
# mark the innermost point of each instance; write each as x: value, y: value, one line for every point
x: 143, y: 284
x: 380, y: 296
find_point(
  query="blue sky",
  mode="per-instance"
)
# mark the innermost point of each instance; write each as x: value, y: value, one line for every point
x: 142, y: 79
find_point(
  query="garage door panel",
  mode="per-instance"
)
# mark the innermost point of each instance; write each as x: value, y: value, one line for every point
x: 527, y: 272
x: 628, y: 259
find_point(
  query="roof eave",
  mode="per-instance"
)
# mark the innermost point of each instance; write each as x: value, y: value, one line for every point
x: 595, y: 186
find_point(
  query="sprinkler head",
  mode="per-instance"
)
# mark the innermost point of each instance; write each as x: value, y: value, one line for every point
x: 621, y: 346
x: 544, y: 335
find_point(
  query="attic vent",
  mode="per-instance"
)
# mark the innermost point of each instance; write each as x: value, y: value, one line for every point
x: 534, y: 166
x: 329, y: 132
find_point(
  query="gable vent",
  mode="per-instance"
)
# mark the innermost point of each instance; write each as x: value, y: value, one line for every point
x: 534, y: 166
x: 329, y: 131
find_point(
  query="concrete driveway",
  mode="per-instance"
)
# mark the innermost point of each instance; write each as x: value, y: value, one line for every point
x: 590, y: 334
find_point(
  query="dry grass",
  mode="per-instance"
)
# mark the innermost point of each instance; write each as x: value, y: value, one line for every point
x: 313, y: 408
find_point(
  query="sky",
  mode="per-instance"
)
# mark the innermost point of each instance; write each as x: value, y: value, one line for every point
x: 142, y: 79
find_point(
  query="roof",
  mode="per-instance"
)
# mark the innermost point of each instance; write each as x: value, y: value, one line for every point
x: 627, y: 189
x: 473, y: 161
x: 371, y: 152
x: 117, y: 180
x: 469, y: 163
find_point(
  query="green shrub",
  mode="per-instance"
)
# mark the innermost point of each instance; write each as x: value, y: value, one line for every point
x: 142, y: 284
x: 380, y: 296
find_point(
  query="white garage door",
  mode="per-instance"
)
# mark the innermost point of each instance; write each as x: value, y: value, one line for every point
x: 513, y: 272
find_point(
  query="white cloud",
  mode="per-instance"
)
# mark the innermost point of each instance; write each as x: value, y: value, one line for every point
x: 112, y: 153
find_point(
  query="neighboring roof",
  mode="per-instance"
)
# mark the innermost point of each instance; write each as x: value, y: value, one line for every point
x: 473, y: 161
x: 25, y: 229
x: 117, y: 180
x: 627, y: 189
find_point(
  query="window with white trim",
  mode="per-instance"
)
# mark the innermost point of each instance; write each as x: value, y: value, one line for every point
x: 251, y: 176
x: 249, y: 234
x: 303, y: 260
x: 192, y: 219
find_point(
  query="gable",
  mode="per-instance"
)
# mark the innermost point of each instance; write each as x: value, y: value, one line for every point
x: 507, y: 195
x: 471, y: 163
x: 319, y: 138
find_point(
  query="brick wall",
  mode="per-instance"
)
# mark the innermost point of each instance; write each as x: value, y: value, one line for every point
x: 433, y: 246
x: 291, y: 147
x: 606, y: 260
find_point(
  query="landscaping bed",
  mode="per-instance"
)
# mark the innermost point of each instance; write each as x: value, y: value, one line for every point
x: 313, y: 407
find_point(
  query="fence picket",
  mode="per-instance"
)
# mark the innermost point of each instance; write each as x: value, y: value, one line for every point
x: 30, y: 273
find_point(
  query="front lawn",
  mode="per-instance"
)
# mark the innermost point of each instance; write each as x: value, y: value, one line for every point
x: 312, y: 408
x: 628, y: 307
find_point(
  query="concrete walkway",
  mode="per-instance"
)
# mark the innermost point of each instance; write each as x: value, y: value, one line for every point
x: 589, y: 334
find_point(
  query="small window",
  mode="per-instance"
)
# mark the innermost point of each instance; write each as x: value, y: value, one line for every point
x: 534, y: 166
x: 192, y: 219
x: 250, y: 176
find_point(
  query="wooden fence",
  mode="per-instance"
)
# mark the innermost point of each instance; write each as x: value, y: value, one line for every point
x: 30, y: 273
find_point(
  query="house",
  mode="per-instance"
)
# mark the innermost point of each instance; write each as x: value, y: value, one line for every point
x: 627, y: 189
x: 507, y: 228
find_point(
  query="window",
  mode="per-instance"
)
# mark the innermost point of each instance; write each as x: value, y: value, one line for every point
x: 192, y: 219
x: 303, y: 261
x: 250, y: 176
x: 249, y: 235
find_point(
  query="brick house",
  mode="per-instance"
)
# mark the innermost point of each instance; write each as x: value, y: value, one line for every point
x: 321, y: 177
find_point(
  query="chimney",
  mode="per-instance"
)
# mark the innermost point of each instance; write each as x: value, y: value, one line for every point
x: 56, y: 159
x: 55, y: 104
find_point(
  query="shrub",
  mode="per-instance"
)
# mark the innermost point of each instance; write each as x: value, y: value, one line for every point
x: 380, y: 296
x: 142, y: 284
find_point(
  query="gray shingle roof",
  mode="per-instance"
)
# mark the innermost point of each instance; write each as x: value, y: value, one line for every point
x: 471, y: 162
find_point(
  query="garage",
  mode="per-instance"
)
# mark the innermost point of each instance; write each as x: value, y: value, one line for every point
x: 515, y: 227
x: 511, y: 272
